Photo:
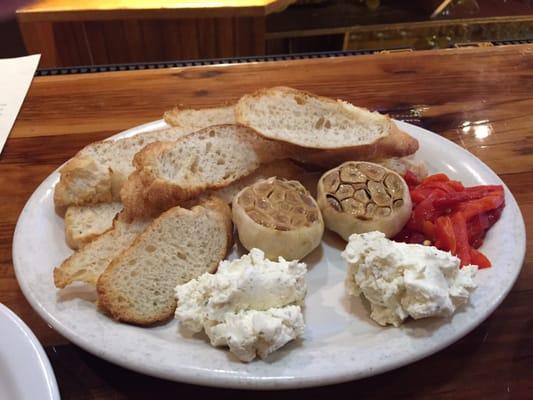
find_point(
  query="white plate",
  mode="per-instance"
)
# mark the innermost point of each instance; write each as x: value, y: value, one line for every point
x: 341, y: 343
x: 26, y: 373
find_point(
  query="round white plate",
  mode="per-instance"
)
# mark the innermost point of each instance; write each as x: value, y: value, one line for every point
x: 341, y: 343
x: 26, y: 373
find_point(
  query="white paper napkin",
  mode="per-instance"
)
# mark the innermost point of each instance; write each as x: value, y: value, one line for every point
x: 16, y: 75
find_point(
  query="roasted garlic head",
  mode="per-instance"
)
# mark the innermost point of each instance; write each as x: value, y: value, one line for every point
x: 359, y: 197
x: 279, y: 217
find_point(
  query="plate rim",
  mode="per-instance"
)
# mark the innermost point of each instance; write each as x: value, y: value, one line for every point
x: 213, y: 379
x: 36, y: 348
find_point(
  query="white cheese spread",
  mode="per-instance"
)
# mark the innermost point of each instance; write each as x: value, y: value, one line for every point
x: 252, y: 305
x: 401, y: 280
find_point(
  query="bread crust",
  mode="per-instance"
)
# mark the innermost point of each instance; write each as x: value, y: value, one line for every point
x: 85, y: 223
x: 147, y: 193
x: 215, y: 208
x: 85, y: 179
x: 68, y: 272
x: 71, y: 190
x: 138, y: 205
x: 395, y: 144
x: 172, y: 116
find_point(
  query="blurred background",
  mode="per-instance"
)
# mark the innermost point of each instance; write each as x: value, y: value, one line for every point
x: 92, y: 32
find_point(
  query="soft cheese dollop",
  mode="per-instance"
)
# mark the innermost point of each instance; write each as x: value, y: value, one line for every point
x: 252, y: 304
x: 401, y: 280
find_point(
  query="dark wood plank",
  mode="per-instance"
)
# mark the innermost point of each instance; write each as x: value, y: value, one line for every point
x: 115, y: 38
x: 189, y: 47
x: 171, y: 34
x: 39, y: 38
x: 134, y: 45
x: 224, y: 37
x: 97, y: 43
x: 206, y: 33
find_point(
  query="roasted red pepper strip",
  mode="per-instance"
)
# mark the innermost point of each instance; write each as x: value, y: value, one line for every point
x: 411, y: 179
x: 435, y: 178
x: 475, y: 207
x: 429, y: 230
x: 444, y: 186
x: 485, y: 188
x: 444, y: 234
x: 424, y: 211
x: 456, y: 185
x: 461, y: 236
x: 453, y: 217
x: 480, y: 224
x: 453, y: 199
x: 479, y: 259
x: 420, y: 194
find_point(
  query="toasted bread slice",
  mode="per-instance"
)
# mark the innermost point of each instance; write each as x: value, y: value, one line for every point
x: 194, y: 119
x: 181, y: 244
x: 87, y: 264
x: 207, y: 159
x: 83, y: 224
x: 136, y: 205
x: 304, y: 119
x: 83, y: 180
x: 97, y: 172
x: 397, y: 145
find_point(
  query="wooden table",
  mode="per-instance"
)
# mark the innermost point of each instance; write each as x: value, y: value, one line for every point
x: 479, y: 98
x: 71, y: 32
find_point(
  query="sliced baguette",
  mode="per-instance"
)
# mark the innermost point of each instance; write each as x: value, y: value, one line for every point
x: 304, y: 119
x: 181, y: 244
x: 207, y: 159
x: 194, y: 119
x: 83, y: 224
x: 87, y: 264
x: 83, y: 180
x: 136, y: 205
x: 97, y: 172
x: 398, y: 144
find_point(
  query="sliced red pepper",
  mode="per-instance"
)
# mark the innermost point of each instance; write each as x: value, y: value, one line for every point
x: 479, y: 259
x: 461, y: 236
x: 453, y: 217
x: 475, y: 207
x: 485, y: 188
x: 411, y: 179
x: 444, y: 234
x: 450, y: 200
x: 444, y: 186
x: 476, y: 228
x: 424, y: 211
x: 435, y: 178
x: 420, y: 194
x: 456, y: 185
x: 480, y: 224
x: 429, y: 230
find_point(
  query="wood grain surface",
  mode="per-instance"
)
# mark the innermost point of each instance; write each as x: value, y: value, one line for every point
x: 142, y: 40
x: 97, y: 10
x: 94, y: 32
x: 479, y: 98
